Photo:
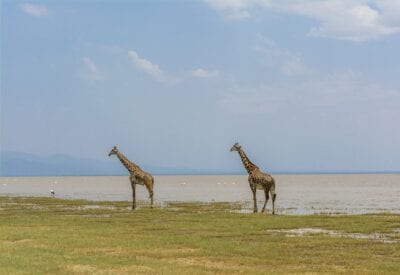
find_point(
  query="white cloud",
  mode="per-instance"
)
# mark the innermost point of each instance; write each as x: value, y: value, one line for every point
x: 347, y: 20
x: 90, y: 71
x: 202, y: 73
x: 151, y: 69
x: 333, y: 91
x: 34, y: 9
x: 285, y: 61
x: 355, y: 20
x: 154, y: 71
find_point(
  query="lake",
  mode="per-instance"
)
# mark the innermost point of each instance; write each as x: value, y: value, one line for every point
x: 296, y: 194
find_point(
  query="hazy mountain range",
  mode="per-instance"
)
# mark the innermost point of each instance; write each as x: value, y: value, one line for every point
x: 25, y: 164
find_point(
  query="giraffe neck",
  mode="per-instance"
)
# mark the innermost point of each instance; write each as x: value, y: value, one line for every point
x: 127, y: 163
x: 246, y: 162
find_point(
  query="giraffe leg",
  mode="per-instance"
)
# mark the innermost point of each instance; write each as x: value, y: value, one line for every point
x: 273, y: 195
x: 273, y: 202
x: 133, y: 193
x: 151, y: 198
x: 266, y: 191
x: 255, y: 200
x: 133, y: 196
x: 151, y: 193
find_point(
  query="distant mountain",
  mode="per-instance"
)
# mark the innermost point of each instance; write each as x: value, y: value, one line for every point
x: 24, y: 164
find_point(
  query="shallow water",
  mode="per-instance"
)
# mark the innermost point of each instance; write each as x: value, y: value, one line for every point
x: 296, y: 194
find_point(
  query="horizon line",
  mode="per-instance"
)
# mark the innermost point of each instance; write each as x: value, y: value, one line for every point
x: 217, y: 174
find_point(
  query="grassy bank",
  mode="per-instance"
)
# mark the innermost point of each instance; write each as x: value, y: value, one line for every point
x: 43, y: 235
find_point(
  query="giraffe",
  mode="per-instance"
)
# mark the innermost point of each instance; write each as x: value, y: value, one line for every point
x: 137, y: 176
x: 257, y: 179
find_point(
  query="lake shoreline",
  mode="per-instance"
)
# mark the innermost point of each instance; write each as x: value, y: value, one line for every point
x: 297, y: 194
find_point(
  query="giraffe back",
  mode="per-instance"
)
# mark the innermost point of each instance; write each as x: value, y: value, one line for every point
x: 261, y: 180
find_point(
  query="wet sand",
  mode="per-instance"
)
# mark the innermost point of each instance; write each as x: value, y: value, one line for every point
x: 297, y: 194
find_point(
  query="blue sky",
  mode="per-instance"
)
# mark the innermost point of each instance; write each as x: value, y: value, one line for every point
x: 302, y: 85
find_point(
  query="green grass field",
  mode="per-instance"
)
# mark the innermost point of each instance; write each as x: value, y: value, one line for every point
x: 44, y: 235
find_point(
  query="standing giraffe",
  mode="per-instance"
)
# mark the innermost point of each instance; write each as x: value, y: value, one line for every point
x: 257, y: 179
x: 137, y: 176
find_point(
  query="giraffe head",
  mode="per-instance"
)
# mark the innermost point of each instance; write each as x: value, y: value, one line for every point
x: 113, y: 151
x: 236, y: 147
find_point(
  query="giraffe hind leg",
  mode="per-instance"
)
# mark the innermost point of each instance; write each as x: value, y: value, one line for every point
x: 149, y: 186
x: 151, y: 198
x: 273, y: 202
x: 266, y: 191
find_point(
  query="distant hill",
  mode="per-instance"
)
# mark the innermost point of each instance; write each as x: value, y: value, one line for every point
x: 24, y: 164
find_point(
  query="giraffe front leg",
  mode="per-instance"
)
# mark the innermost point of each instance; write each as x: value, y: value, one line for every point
x: 266, y: 191
x: 255, y: 200
x: 133, y: 196
x: 133, y: 193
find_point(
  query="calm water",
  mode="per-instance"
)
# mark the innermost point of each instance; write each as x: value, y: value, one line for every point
x: 297, y: 194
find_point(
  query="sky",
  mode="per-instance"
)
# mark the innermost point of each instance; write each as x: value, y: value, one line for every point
x: 301, y: 85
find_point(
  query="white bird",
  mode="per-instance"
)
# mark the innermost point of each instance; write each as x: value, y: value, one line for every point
x: 183, y: 183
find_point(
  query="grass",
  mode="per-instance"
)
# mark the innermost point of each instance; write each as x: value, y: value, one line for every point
x: 44, y: 235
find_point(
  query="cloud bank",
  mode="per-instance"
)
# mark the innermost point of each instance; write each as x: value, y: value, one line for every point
x: 354, y: 20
